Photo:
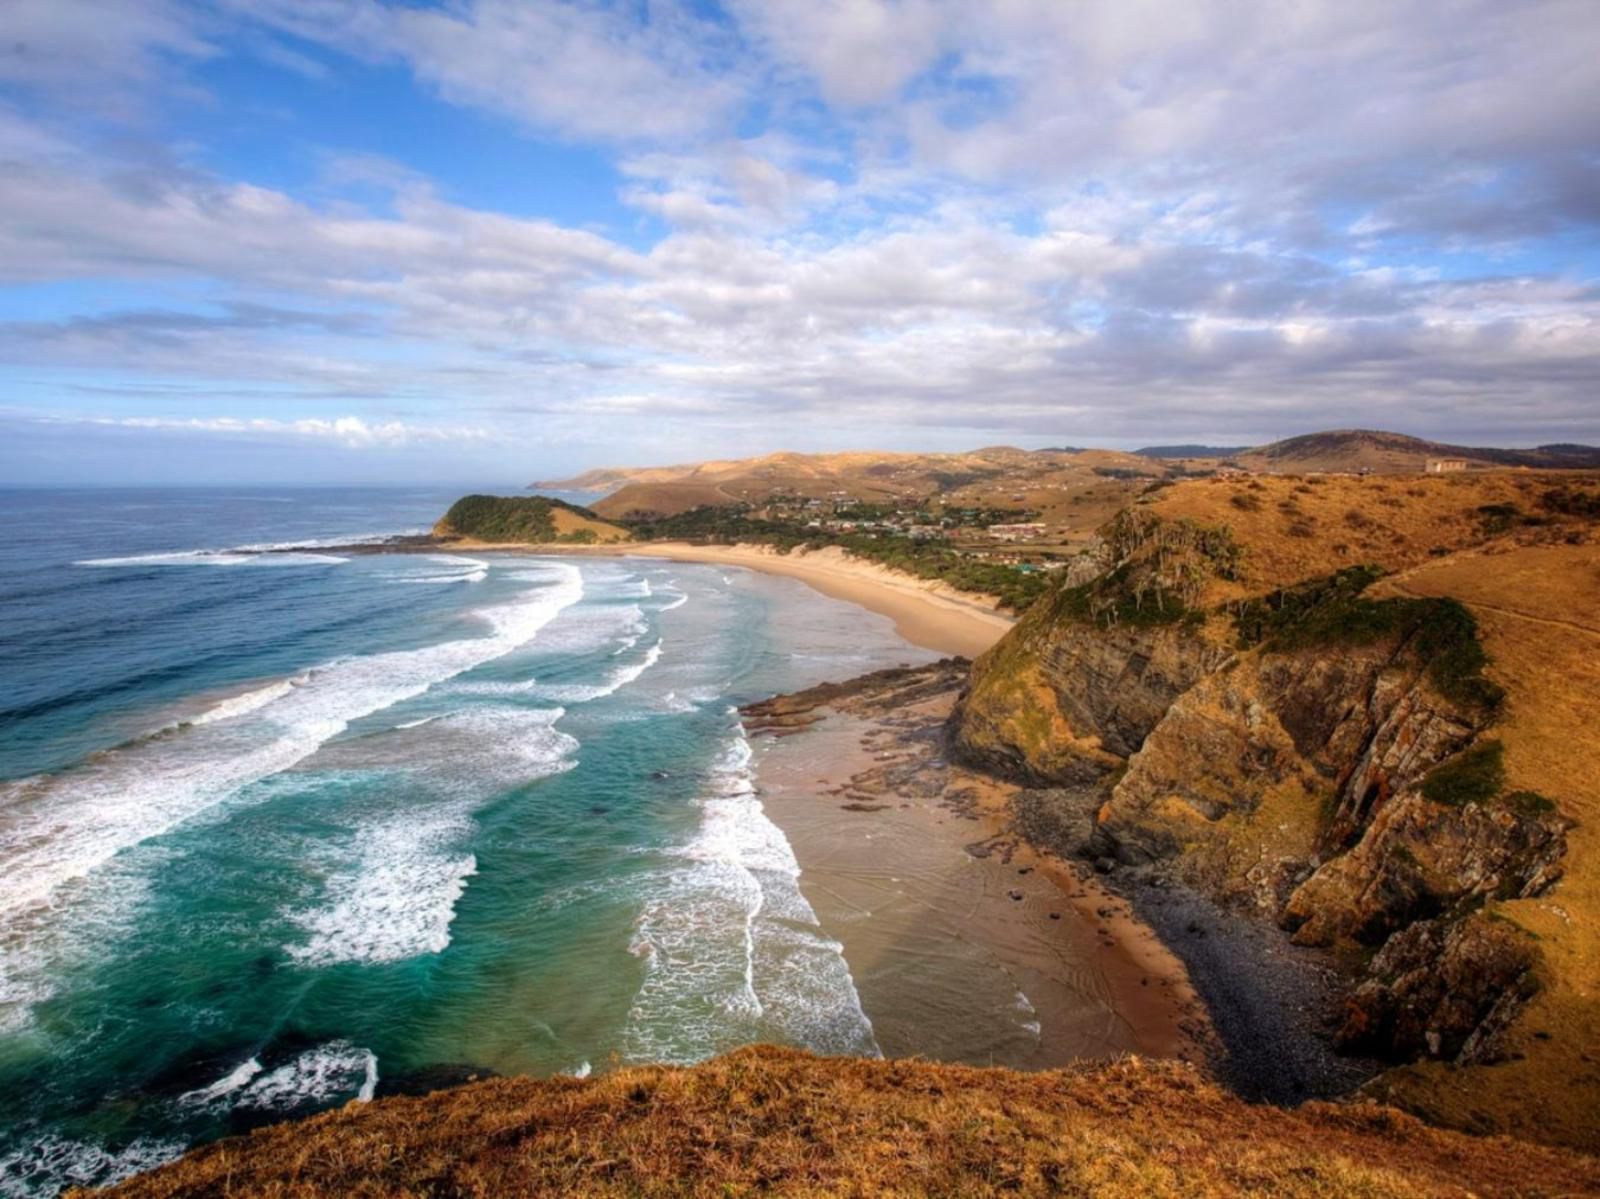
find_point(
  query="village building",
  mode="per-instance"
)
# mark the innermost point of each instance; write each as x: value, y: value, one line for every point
x: 1016, y: 532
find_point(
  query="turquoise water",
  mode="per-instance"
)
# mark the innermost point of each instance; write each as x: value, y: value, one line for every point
x: 281, y: 830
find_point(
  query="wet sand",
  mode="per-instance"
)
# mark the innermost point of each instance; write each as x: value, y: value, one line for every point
x: 964, y: 944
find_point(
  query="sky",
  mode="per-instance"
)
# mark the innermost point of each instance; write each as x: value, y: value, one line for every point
x: 370, y: 241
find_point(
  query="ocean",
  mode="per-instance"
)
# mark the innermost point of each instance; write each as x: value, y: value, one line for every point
x: 279, y: 830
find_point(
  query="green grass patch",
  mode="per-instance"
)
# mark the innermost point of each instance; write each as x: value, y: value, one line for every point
x: 1334, y: 611
x: 1475, y: 775
x: 517, y: 518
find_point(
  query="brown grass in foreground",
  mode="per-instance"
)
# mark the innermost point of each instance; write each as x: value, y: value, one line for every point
x: 785, y: 1122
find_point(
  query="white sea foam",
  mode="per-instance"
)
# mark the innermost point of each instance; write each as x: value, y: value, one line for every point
x: 249, y: 701
x: 175, y: 558
x: 313, y: 543
x: 1027, y: 1015
x: 50, y: 1164
x: 680, y: 601
x: 452, y: 568
x: 581, y: 1070
x: 393, y: 893
x: 733, y: 950
x: 317, y: 1076
x: 471, y: 576
x: 396, y: 901
x: 240, y: 1076
x: 579, y: 693
x: 218, y: 558
x: 57, y: 828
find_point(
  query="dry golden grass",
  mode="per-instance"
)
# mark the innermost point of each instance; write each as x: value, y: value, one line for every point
x: 568, y: 522
x: 667, y: 499
x: 1538, y: 612
x: 777, y: 1121
x: 1298, y: 528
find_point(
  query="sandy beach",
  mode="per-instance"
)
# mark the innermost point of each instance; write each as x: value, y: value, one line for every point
x: 965, y: 944
x: 925, y: 612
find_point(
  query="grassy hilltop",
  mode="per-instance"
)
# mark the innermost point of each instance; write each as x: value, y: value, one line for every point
x: 525, y: 520
x: 773, y: 1121
x: 1363, y: 710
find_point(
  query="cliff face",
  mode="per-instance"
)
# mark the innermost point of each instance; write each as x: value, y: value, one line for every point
x: 1317, y: 757
x: 1068, y: 704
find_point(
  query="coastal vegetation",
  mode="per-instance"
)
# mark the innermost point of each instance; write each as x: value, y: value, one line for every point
x: 1014, y: 586
x: 524, y: 520
x: 776, y: 1121
x: 1334, y: 611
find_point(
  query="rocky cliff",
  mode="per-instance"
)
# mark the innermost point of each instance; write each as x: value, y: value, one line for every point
x: 1322, y: 758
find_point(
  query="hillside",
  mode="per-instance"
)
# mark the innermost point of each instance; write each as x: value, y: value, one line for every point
x: 1053, y: 482
x: 1056, y: 482
x: 524, y: 520
x: 1395, y: 453
x: 776, y: 1121
x: 1362, y: 710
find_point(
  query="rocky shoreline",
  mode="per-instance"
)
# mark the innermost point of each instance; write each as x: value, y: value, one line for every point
x: 1269, y: 1008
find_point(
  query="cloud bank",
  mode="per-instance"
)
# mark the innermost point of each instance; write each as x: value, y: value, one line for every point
x: 833, y: 223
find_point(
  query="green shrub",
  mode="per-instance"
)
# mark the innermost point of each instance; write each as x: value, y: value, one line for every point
x: 1333, y: 611
x: 1496, y: 518
x: 1529, y: 804
x: 1475, y: 775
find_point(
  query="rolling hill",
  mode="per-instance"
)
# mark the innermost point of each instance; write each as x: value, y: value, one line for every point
x: 1043, y: 480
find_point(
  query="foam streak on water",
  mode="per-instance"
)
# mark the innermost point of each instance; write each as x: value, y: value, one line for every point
x: 398, y: 898
x: 732, y: 948
x: 58, y: 828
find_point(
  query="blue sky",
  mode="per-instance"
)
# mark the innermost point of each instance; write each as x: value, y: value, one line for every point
x: 359, y: 240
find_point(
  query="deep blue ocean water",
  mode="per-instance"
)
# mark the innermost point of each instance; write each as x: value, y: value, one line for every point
x: 280, y: 830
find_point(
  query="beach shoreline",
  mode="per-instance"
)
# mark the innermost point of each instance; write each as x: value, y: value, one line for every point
x: 927, y: 613
x: 964, y: 942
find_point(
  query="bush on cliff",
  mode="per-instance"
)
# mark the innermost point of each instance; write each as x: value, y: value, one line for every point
x: 1334, y: 611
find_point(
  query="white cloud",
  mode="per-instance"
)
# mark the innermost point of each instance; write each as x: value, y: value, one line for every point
x: 351, y: 432
x: 576, y: 69
x: 1023, y: 216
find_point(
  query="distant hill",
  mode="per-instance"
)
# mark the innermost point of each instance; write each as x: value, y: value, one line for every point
x: 995, y: 476
x: 1396, y: 453
x: 524, y: 520
x: 1191, y: 451
x: 1043, y: 480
